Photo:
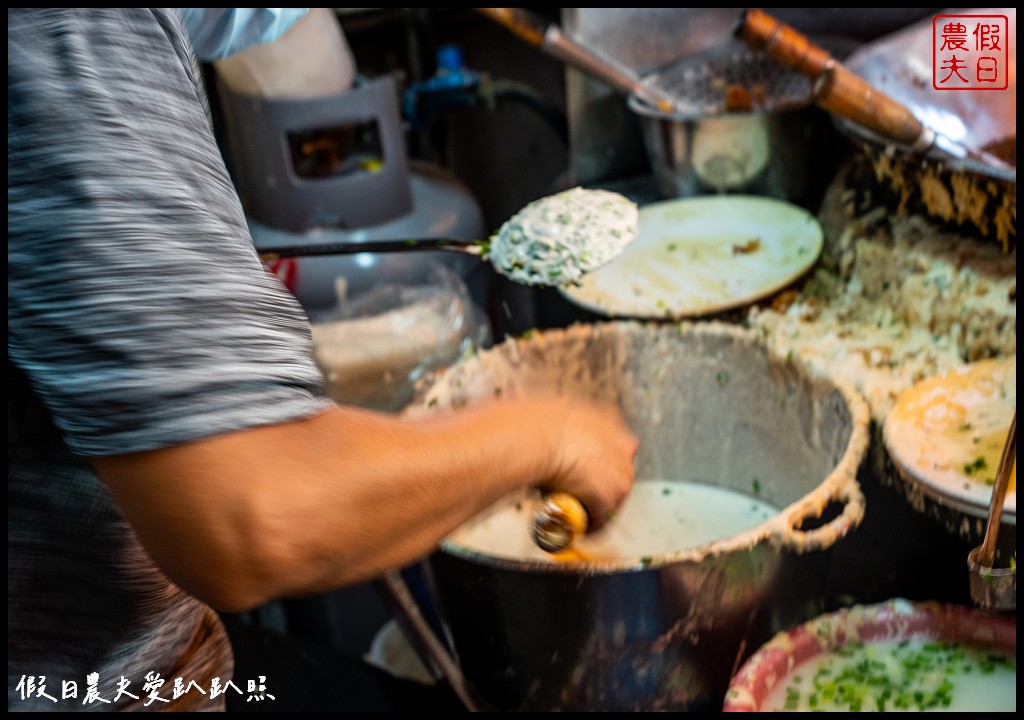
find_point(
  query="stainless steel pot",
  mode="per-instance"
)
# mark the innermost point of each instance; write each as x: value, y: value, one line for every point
x: 709, y: 404
x: 746, y: 126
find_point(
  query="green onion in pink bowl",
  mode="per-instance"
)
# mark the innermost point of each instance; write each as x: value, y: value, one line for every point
x: 890, y: 657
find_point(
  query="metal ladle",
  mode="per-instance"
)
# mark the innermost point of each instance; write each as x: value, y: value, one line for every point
x: 995, y: 588
x: 550, y: 38
x: 552, y: 241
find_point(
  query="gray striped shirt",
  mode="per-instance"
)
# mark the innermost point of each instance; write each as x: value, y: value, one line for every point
x: 141, y: 317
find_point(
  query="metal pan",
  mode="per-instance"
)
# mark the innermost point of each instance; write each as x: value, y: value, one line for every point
x: 899, y: 65
x: 943, y: 439
x: 882, y: 93
x: 972, y: 193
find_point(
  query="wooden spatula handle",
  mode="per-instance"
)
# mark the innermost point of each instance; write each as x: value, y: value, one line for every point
x: 836, y: 89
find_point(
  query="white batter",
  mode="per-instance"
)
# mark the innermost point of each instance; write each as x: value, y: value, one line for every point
x: 659, y: 517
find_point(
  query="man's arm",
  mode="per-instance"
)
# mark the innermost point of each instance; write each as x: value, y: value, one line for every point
x: 338, y: 498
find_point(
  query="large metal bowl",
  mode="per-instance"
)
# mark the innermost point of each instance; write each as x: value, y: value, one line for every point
x: 710, y: 404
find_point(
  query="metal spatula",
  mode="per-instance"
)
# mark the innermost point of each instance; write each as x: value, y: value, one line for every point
x: 845, y: 94
x: 550, y: 38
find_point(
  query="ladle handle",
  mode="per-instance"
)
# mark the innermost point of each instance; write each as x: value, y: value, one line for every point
x: 836, y: 89
x: 525, y: 25
x: 424, y: 640
x: 550, y: 38
x: 472, y: 247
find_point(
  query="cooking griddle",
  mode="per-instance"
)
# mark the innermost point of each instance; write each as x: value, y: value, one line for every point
x: 945, y: 435
x: 701, y: 256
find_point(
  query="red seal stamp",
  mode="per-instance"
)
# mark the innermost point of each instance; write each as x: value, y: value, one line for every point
x: 970, y: 52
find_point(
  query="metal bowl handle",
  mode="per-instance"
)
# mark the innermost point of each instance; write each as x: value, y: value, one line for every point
x: 798, y: 540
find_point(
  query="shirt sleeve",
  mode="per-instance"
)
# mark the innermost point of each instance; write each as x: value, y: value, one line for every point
x: 216, y: 33
x: 137, y: 305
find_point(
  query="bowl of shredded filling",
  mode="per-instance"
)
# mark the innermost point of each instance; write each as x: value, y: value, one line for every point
x: 896, y: 656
